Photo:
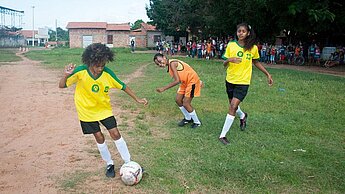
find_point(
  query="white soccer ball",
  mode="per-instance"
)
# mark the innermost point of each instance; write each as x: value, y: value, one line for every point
x: 131, y: 173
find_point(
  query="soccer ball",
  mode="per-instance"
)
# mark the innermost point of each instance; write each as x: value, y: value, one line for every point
x: 131, y: 173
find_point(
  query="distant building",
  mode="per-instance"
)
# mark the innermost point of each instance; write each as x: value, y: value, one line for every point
x: 40, y: 38
x: 146, y: 36
x: 82, y: 34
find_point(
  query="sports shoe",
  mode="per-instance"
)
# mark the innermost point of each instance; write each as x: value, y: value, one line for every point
x: 184, y: 122
x: 110, y: 171
x: 195, y: 125
x: 224, y: 140
x: 243, y: 122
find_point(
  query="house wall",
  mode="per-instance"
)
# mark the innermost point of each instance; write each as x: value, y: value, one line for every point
x: 76, y: 36
x: 150, y: 38
x: 120, y: 38
x: 140, y: 40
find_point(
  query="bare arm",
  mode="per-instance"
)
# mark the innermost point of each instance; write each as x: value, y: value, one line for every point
x: 232, y: 60
x: 262, y: 68
x: 68, y: 71
x: 131, y: 94
x: 175, y: 76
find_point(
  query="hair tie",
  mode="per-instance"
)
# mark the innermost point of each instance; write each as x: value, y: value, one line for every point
x: 250, y: 28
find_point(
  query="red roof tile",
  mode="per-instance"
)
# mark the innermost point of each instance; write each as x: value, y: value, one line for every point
x: 122, y: 27
x: 97, y: 25
x: 148, y: 27
x: 27, y: 33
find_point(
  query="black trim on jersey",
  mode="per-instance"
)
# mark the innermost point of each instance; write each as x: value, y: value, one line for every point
x: 192, y: 92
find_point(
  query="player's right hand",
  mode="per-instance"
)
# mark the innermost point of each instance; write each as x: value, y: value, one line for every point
x: 143, y: 101
x: 236, y: 60
x: 69, y: 69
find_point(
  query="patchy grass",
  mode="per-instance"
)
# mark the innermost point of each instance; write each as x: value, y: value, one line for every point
x: 294, y: 142
x: 8, y: 55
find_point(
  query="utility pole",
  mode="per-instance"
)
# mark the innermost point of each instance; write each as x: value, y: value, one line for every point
x: 33, y: 25
x: 56, y: 31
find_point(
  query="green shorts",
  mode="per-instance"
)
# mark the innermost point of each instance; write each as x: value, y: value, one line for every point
x: 93, y: 127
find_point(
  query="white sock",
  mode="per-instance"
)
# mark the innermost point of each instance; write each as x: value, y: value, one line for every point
x: 103, y: 150
x: 185, y: 113
x: 240, y: 113
x: 123, y: 150
x: 227, y: 124
x: 194, y: 117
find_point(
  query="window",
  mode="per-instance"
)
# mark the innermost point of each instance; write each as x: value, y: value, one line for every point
x: 156, y: 38
x: 110, y: 39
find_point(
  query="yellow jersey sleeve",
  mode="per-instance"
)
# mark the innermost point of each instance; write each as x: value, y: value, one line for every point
x: 255, y: 52
x: 115, y: 81
x: 74, y: 77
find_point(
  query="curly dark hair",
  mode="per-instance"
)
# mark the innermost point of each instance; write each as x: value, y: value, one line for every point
x: 97, y: 53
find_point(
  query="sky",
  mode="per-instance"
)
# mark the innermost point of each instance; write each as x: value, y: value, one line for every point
x: 48, y: 12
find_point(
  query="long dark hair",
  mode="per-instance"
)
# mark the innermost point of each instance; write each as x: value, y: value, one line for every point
x: 250, y: 41
x: 97, y: 53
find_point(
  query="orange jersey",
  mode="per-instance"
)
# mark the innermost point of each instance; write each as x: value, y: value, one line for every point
x: 185, y: 72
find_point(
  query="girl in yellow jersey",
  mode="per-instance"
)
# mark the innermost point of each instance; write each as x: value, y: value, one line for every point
x: 190, y: 86
x: 93, y: 82
x: 239, y: 57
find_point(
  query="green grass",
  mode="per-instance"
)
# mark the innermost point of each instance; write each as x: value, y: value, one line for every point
x: 8, y: 55
x: 301, y: 111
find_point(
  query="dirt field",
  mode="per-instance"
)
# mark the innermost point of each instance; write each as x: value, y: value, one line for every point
x: 41, y: 143
x: 42, y: 149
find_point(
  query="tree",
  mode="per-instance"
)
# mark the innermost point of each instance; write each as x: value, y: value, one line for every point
x: 298, y: 19
x: 62, y: 35
x: 137, y: 24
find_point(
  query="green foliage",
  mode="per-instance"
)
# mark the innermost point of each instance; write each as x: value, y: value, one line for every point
x: 62, y: 35
x: 302, y: 18
x: 137, y: 24
x: 301, y: 111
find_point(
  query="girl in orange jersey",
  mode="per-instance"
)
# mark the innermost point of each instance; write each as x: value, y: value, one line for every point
x: 190, y: 86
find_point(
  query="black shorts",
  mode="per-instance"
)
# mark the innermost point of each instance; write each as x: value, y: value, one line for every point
x: 236, y: 90
x: 93, y: 127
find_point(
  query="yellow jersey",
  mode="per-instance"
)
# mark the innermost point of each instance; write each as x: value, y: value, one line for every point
x: 240, y: 73
x: 91, y: 95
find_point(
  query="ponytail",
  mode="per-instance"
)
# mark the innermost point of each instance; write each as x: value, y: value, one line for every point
x: 250, y: 41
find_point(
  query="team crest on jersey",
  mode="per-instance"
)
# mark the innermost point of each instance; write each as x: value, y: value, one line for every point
x: 240, y: 54
x: 95, y: 88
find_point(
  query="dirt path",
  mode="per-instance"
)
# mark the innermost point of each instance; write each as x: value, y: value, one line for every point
x: 41, y: 144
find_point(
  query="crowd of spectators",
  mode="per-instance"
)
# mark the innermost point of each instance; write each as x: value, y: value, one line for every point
x: 214, y: 48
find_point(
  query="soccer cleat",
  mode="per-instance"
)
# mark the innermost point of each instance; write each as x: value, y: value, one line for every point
x: 195, y: 125
x: 224, y: 140
x: 110, y: 171
x: 243, y: 122
x: 184, y: 122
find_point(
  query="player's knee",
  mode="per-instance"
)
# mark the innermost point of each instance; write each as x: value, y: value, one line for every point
x: 115, y: 134
x: 99, y: 137
x: 179, y: 102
